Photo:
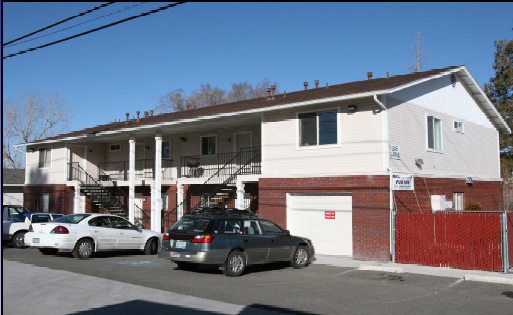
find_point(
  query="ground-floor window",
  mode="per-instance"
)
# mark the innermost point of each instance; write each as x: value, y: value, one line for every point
x: 458, y: 201
x: 43, y: 202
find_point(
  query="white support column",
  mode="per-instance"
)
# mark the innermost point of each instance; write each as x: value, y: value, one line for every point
x: 179, y: 201
x: 239, y: 203
x: 76, y: 201
x: 131, y: 179
x: 157, y: 221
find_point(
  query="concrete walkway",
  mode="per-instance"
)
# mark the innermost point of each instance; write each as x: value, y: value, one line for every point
x: 470, y: 275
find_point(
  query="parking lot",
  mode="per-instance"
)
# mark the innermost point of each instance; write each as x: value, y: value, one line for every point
x: 317, y: 289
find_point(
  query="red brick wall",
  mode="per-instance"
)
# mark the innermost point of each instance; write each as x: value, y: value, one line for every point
x: 488, y: 193
x: 59, y: 197
x: 370, y: 194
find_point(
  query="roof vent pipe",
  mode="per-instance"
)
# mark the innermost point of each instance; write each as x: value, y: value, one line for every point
x: 284, y: 93
x: 138, y: 112
x: 268, y: 94
x: 146, y: 114
x: 388, y: 75
x: 273, y: 88
x: 369, y: 75
x: 306, y: 85
x: 316, y: 83
x: 326, y: 84
x: 127, y: 114
x: 151, y: 112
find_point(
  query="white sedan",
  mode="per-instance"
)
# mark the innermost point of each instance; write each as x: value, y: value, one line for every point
x: 84, y: 234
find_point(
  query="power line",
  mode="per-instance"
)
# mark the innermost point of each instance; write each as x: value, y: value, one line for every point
x: 67, y: 28
x: 60, y: 22
x: 96, y: 29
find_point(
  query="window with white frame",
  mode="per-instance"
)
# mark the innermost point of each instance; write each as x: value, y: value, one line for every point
x: 434, y: 133
x: 458, y: 201
x: 43, y: 202
x: 458, y: 126
x: 208, y: 145
x: 115, y: 147
x: 45, y: 157
x: 166, y: 149
x: 318, y: 128
x: 164, y: 201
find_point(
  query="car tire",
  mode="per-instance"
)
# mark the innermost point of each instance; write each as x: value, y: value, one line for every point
x: 151, y: 247
x: 48, y: 251
x: 187, y: 266
x: 235, y: 264
x: 18, y: 240
x: 301, y: 257
x: 83, y: 249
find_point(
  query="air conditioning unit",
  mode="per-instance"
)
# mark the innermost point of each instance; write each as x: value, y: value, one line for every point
x: 438, y: 203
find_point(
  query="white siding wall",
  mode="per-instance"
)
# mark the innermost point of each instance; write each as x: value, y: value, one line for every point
x: 473, y: 153
x: 361, y: 138
x: 51, y: 175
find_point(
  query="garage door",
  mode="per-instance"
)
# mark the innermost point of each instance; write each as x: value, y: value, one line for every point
x: 326, y: 219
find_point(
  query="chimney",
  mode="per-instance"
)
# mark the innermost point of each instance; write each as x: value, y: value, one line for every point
x: 127, y: 114
x: 138, y: 112
x: 316, y: 83
x: 146, y: 114
x: 306, y: 85
x: 369, y: 75
x: 268, y: 94
x: 388, y: 75
x: 151, y: 112
x: 326, y: 84
x: 273, y: 88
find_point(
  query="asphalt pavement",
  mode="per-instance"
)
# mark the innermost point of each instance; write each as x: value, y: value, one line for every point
x: 133, y: 283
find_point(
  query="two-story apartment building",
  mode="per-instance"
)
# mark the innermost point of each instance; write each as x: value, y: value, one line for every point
x: 319, y: 161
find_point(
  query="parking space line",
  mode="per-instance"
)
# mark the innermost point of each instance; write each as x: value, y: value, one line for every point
x: 455, y: 283
x: 342, y: 273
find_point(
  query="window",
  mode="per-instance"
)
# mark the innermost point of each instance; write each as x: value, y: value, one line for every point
x: 166, y: 149
x: 119, y: 223
x: 45, y: 157
x: 115, y: 147
x: 229, y: 227
x: 191, y: 226
x: 72, y: 219
x: 434, y: 129
x: 43, y: 202
x: 164, y: 201
x: 318, y: 128
x: 40, y: 218
x: 458, y: 126
x: 458, y: 201
x: 270, y: 228
x: 208, y: 145
x: 99, y: 222
x: 251, y: 227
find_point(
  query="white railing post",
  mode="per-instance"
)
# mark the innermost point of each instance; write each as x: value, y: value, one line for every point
x: 157, y: 214
x: 179, y: 201
x: 505, y: 248
x: 239, y: 203
x: 131, y: 188
x: 76, y: 201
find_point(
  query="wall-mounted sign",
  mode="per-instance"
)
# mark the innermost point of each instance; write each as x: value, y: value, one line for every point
x: 402, y: 182
x: 395, y: 152
x: 329, y: 215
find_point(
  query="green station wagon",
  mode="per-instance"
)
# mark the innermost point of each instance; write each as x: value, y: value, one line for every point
x: 232, y: 239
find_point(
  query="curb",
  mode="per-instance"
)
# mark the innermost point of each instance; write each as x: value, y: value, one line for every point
x: 500, y: 280
x: 378, y: 268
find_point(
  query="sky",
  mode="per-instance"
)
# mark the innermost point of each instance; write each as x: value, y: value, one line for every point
x: 127, y: 67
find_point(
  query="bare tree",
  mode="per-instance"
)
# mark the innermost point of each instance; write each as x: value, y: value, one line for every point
x: 173, y: 101
x: 32, y: 119
x: 416, y: 54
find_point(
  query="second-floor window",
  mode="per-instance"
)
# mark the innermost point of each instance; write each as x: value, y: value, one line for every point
x: 434, y: 133
x: 45, y: 157
x: 319, y: 128
x: 166, y: 149
x: 208, y: 145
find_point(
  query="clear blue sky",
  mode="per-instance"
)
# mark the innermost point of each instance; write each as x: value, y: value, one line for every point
x: 127, y: 67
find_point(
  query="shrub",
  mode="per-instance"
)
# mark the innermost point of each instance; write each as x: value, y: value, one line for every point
x: 474, y: 206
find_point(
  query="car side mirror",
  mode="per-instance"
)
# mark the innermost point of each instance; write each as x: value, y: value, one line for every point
x: 138, y: 227
x: 286, y: 233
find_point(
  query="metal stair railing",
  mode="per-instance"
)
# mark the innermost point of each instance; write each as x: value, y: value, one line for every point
x: 233, y: 163
x: 115, y: 197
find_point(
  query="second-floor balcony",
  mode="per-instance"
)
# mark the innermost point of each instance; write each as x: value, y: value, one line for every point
x: 144, y: 169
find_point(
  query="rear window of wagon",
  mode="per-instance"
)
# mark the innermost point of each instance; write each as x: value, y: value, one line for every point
x: 73, y: 219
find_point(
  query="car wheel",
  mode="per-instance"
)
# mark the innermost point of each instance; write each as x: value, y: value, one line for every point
x: 300, y: 258
x: 235, y: 264
x: 48, y: 251
x: 83, y: 249
x: 18, y: 240
x: 187, y: 266
x: 151, y: 247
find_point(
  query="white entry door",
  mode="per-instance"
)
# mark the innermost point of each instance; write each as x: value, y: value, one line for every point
x: 326, y: 219
x: 77, y: 157
x: 242, y: 140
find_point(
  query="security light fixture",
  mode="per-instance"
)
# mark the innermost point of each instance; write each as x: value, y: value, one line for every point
x: 419, y: 161
x: 351, y: 108
x: 229, y: 140
x: 32, y: 150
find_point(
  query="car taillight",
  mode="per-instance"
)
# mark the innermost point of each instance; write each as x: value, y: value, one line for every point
x: 166, y: 237
x: 203, y: 239
x: 31, y: 229
x: 60, y: 230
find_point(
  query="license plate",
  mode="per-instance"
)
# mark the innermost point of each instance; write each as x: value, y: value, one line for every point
x: 175, y: 255
x: 180, y: 245
x: 35, y: 240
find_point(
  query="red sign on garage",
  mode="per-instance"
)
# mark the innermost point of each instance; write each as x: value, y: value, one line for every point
x: 329, y: 215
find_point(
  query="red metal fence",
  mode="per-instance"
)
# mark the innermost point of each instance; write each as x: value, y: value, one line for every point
x: 469, y: 241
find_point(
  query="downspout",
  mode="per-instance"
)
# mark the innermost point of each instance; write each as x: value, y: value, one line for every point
x: 386, y: 163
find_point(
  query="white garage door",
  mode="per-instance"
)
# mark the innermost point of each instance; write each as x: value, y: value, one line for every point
x: 326, y: 219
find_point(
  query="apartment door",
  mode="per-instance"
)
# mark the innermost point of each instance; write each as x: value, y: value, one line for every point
x: 242, y: 144
x: 140, y: 156
x: 77, y: 162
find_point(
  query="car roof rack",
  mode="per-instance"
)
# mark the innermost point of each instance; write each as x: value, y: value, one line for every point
x: 225, y: 211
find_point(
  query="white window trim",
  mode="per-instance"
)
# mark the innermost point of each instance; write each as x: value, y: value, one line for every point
x: 170, y: 155
x: 462, y: 200
x: 38, y: 157
x: 110, y: 147
x: 441, y: 134
x: 322, y: 146
x: 201, y: 143
x: 462, y: 126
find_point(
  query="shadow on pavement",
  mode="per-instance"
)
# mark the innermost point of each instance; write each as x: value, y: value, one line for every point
x: 212, y: 269
x: 508, y: 294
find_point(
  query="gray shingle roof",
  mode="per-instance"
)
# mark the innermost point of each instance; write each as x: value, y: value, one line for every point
x: 13, y: 176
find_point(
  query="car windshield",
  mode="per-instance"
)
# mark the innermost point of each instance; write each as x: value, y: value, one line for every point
x: 190, y: 226
x: 56, y: 216
x: 73, y: 219
x: 18, y: 218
